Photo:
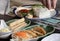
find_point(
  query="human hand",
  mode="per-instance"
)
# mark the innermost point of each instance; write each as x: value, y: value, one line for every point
x: 49, y: 3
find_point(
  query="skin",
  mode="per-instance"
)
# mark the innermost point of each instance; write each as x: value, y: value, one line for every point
x: 49, y: 3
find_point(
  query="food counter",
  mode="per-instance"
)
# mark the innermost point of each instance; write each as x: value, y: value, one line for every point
x: 13, y: 16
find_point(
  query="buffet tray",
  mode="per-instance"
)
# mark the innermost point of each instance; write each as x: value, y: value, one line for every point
x: 7, y: 18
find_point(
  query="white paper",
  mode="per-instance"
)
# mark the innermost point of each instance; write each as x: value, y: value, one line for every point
x: 3, y: 24
x: 53, y: 37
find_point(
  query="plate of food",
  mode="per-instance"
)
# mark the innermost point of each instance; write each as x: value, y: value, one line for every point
x: 34, y: 12
x: 16, y: 24
x: 32, y: 33
x: 5, y: 32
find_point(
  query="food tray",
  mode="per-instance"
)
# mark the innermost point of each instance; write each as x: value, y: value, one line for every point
x: 8, y: 39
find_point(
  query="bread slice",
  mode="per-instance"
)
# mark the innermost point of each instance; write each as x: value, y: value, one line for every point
x: 16, y: 22
x: 18, y: 25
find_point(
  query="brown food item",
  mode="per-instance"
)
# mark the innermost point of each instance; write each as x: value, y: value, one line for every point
x: 31, y: 33
x: 38, y: 33
x: 40, y: 29
x: 34, y: 16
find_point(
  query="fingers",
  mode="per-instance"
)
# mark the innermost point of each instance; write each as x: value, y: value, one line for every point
x: 49, y: 3
x: 54, y: 3
x: 44, y: 2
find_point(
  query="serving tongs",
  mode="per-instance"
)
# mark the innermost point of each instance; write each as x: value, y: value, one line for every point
x: 57, y: 25
x: 5, y: 9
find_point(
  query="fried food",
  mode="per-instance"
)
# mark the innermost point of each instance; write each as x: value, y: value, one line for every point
x: 40, y: 29
x: 34, y: 32
x: 31, y: 33
x: 38, y: 33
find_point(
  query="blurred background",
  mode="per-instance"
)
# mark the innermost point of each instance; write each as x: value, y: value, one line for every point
x: 26, y: 2
x: 18, y: 2
x: 58, y: 5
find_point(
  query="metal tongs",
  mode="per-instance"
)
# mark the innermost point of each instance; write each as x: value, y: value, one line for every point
x: 48, y: 23
x: 6, y: 7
